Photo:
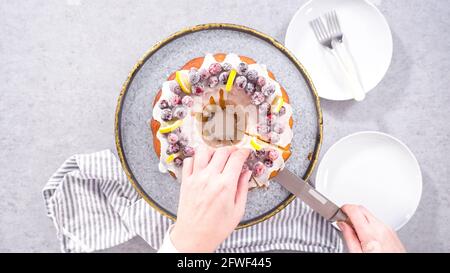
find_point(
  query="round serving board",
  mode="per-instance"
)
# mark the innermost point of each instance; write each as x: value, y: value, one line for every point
x: 134, y: 109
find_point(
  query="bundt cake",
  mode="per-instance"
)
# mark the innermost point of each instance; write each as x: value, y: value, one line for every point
x: 221, y: 100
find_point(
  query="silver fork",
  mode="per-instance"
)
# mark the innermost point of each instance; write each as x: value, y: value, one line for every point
x: 331, y: 37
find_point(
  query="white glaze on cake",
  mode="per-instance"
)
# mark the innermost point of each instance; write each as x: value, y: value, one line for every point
x: 191, y: 127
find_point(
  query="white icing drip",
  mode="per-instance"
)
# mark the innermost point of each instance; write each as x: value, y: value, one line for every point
x: 191, y: 127
x: 207, y: 61
x: 232, y: 59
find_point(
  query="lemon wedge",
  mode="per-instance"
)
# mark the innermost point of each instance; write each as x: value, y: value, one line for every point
x: 230, y: 80
x: 171, y: 157
x: 169, y: 128
x: 255, y: 144
x: 279, y: 102
x: 183, y: 81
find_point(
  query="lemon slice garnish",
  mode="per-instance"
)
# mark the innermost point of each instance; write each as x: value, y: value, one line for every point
x: 183, y: 81
x: 169, y: 128
x: 279, y: 102
x: 230, y: 80
x: 255, y: 144
x: 171, y: 157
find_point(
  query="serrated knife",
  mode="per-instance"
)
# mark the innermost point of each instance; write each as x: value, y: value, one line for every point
x: 308, y: 194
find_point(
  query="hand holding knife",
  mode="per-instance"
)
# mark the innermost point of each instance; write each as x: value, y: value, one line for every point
x: 310, y: 196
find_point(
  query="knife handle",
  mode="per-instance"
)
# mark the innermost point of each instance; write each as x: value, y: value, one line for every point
x: 340, y: 216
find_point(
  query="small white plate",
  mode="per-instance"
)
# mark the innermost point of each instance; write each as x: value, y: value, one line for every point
x: 375, y: 170
x: 366, y: 34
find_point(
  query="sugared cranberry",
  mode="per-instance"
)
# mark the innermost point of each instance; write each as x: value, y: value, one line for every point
x: 178, y: 161
x: 166, y: 114
x: 260, y: 154
x: 204, y: 74
x: 183, y: 140
x: 175, y: 100
x: 240, y: 82
x: 194, y: 76
x: 173, y: 148
x: 197, y: 89
x: 242, y: 68
x: 263, y: 128
x: 258, y: 169
x: 261, y: 81
x: 188, y: 151
x: 268, y: 89
x: 257, y: 98
x: 187, y: 101
x: 278, y: 128
x: 226, y: 66
x: 223, y: 77
x: 250, y: 88
x: 215, y: 68
x: 172, y: 138
x: 163, y: 104
x: 213, y: 81
x: 268, y: 163
x: 175, y: 87
x: 179, y: 112
x: 272, y: 154
x: 252, y: 75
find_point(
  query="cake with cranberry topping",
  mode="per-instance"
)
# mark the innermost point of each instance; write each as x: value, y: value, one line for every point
x: 222, y: 100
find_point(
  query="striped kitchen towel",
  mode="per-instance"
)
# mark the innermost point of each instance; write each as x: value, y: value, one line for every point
x: 94, y: 207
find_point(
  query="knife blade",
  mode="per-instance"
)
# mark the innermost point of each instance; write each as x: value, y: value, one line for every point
x: 310, y: 196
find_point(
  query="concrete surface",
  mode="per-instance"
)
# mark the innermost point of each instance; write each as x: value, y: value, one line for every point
x: 62, y: 64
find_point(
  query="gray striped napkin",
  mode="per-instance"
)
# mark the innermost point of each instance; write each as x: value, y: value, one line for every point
x: 94, y: 207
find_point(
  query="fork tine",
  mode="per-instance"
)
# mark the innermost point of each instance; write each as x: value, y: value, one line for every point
x: 330, y: 23
x: 316, y: 30
x: 336, y: 21
x: 313, y: 26
x: 321, y: 31
x: 322, y: 28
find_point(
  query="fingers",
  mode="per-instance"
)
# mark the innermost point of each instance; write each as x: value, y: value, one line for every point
x: 234, y: 166
x: 188, y: 164
x: 201, y: 158
x: 352, y: 241
x: 242, y: 190
x: 359, y: 221
x: 369, y: 216
x: 220, y: 158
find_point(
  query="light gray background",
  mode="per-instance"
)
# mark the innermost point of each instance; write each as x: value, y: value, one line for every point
x: 62, y: 64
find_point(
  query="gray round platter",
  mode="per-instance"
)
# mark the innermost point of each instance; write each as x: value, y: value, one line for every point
x: 134, y: 109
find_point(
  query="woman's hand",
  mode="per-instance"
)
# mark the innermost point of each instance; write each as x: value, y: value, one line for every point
x: 212, y: 198
x: 368, y: 234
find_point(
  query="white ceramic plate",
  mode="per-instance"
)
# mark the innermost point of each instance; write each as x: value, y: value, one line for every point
x: 366, y: 34
x: 375, y: 170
